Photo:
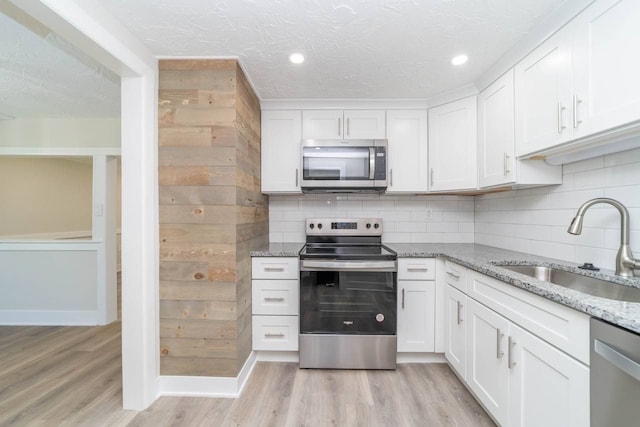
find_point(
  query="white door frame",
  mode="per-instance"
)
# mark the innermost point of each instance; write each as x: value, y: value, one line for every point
x: 89, y: 26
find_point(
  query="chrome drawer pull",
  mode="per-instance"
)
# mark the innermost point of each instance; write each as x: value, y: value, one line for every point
x: 274, y: 335
x: 273, y: 268
x: 452, y: 274
x: 403, y: 298
x: 510, y: 362
x: 271, y: 299
x: 459, y: 310
x: 417, y: 269
x: 499, y: 336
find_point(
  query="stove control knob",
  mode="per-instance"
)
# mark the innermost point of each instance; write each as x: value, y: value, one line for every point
x: 319, y: 226
x: 311, y: 226
x: 376, y: 226
x: 368, y: 225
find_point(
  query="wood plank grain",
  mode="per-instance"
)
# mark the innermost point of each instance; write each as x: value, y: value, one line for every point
x: 198, y: 366
x: 198, y: 347
x: 195, y: 251
x: 197, y: 291
x: 197, y: 156
x: 205, y: 310
x: 197, y: 233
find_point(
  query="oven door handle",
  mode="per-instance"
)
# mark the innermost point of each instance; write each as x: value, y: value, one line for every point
x: 311, y: 265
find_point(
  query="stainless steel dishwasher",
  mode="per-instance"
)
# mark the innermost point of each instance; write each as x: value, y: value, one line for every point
x: 615, y: 376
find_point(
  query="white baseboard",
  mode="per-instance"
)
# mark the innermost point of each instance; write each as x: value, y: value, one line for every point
x: 421, y: 358
x: 49, y: 317
x: 229, y: 387
x: 278, y: 356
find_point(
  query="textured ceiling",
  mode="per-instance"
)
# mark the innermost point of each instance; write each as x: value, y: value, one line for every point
x: 41, y: 75
x: 355, y: 49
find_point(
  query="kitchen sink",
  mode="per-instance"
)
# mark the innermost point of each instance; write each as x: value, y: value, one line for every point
x: 588, y: 285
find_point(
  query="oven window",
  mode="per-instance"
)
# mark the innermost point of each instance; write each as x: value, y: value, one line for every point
x: 350, y: 302
x: 335, y: 163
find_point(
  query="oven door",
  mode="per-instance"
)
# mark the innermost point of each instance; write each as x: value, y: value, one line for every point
x: 348, y: 297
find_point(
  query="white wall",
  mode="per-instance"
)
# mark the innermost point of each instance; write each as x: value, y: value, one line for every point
x: 410, y: 219
x: 51, y: 132
x: 536, y: 220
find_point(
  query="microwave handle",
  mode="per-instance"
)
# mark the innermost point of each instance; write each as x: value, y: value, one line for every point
x: 372, y: 162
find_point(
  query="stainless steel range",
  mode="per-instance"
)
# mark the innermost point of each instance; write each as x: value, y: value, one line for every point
x: 348, y: 294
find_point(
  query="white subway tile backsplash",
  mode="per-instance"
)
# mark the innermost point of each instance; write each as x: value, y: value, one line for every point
x: 406, y: 219
x: 550, y: 211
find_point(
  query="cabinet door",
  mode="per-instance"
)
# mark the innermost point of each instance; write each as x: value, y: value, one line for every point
x: 496, y: 133
x: 416, y: 316
x: 322, y: 124
x: 606, y: 66
x: 407, y: 151
x: 543, y: 95
x: 455, y: 330
x: 452, y: 145
x: 548, y: 388
x: 487, y: 372
x: 281, y: 137
x: 364, y: 124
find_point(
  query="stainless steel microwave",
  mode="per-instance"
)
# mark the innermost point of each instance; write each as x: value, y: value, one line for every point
x: 336, y: 166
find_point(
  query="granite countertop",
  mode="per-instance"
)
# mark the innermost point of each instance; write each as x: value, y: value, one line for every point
x: 482, y: 258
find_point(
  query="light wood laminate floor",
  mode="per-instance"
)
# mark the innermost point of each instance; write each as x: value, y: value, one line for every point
x: 71, y: 376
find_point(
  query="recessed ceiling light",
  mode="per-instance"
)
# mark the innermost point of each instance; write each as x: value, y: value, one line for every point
x: 459, y: 60
x: 296, y: 58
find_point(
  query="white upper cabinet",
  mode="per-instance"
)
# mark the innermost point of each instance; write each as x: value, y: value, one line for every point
x: 582, y: 81
x: 543, y: 95
x: 407, y: 151
x: 497, y: 164
x: 496, y: 142
x: 348, y: 124
x: 452, y: 146
x: 281, y: 137
x: 606, y: 66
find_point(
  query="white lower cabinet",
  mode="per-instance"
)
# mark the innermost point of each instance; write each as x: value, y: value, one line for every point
x: 416, y: 305
x: 519, y: 378
x: 547, y: 387
x: 487, y: 371
x: 416, y: 316
x: 455, y: 330
x: 275, y: 303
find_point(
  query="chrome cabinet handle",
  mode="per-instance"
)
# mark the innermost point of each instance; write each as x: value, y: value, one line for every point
x: 431, y: 176
x: 269, y: 335
x: 348, y: 120
x: 403, y: 298
x: 417, y: 269
x: 510, y: 361
x: 560, y: 109
x: 390, y: 177
x: 619, y: 360
x: 507, y: 162
x: 296, y: 177
x: 372, y: 163
x: 339, y: 127
x: 273, y: 268
x: 499, y: 336
x: 271, y: 299
x: 459, y: 310
x: 576, y: 102
x: 452, y: 274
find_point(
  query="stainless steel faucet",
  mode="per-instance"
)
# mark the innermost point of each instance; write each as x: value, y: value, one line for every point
x: 625, y: 263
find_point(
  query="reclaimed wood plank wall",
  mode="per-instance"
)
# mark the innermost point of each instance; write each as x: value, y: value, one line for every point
x: 211, y: 215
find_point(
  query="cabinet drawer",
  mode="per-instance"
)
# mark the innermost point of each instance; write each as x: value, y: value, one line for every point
x: 456, y: 275
x: 416, y: 269
x: 277, y: 333
x: 274, y: 268
x: 561, y: 326
x: 275, y: 297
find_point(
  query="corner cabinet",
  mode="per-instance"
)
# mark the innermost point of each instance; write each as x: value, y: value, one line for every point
x: 347, y: 124
x: 416, y: 305
x: 280, y: 158
x: 452, y: 146
x: 497, y: 164
x: 582, y: 81
x: 526, y: 357
x: 407, y: 151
